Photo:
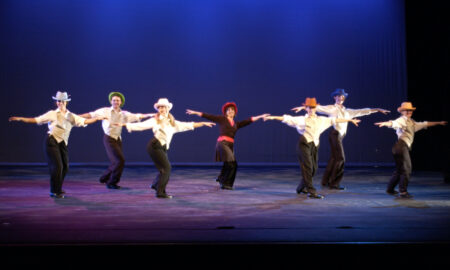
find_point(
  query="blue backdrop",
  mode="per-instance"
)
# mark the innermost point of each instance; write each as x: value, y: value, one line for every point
x: 266, y: 55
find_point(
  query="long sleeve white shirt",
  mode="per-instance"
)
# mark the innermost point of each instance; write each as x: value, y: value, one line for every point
x: 60, y: 124
x: 163, y: 131
x: 340, y: 111
x: 309, y: 126
x: 405, y: 128
x: 113, y: 117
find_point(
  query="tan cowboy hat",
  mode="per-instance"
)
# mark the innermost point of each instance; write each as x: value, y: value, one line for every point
x: 310, y: 102
x: 163, y: 102
x: 61, y: 96
x: 406, y: 106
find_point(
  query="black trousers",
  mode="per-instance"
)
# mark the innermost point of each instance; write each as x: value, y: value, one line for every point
x: 403, y: 167
x: 225, y: 153
x: 158, y: 154
x: 334, y: 172
x: 308, y: 155
x: 117, y: 161
x: 58, y: 163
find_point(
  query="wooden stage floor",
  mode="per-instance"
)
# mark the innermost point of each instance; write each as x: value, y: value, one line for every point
x: 262, y: 211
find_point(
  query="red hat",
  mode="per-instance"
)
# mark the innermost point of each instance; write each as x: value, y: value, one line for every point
x: 229, y: 104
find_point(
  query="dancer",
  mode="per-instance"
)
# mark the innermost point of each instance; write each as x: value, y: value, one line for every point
x: 112, y: 140
x: 164, y: 126
x: 310, y: 126
x: 60, y: 122
x: 334, y: 171
x: 225, y: 143
x: 405, y: 128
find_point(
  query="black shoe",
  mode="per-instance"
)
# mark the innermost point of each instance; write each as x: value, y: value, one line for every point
x: 303, y: 191
x: 337, y: 187
x: 164, y: 196
x: 226, y: 187
x: 392, y: 192
x: 113, y: 186
x: 324, y: 184
x: 56, y: 195
x: 153, y: 187
x: 315, y: 196
x: 405, y: 195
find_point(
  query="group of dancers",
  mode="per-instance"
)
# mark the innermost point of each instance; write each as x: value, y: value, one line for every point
x: 163, y: 124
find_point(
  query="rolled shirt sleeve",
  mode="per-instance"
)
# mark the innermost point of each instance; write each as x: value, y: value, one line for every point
x: 183, y: 126
x: 45, y: 118
x: 294, y: 121
x: 77, y: 120
x: 147, y: 124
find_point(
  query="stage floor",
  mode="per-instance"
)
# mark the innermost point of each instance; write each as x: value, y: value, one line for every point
x: 262, y: 209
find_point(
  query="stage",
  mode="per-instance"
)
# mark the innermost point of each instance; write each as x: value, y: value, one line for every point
x: 262, y: 211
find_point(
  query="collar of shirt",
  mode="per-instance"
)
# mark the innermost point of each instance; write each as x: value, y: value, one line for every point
x: 112, y: 109
x: 59, y: 111
x: 310, y: 116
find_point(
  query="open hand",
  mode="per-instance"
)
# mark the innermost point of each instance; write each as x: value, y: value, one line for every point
x: 298, y: 109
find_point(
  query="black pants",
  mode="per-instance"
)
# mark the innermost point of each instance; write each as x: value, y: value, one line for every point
x: 225, y: 153
x: 58, y: 163
x: 158, y: 154
x: 117, y: 161
x: 334, y: 171
x: 403, y: 167
x: 307, y: 154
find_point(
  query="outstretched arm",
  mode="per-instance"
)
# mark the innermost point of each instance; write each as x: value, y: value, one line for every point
x: 432, y: 124
x: 201, y: 124
x: 384, y: 124
x: 88, y: 121
x: 256, y: 118
x: 28, y: 120
x: 146, y: 115
x: 298, y: 109
x: 383, y: 111
x: 272, y: 117
x: 86, y: 115
x: 193, y: 112
x: 354, y: 121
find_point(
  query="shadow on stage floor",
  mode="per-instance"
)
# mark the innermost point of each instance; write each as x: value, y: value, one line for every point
x: 262, y: 220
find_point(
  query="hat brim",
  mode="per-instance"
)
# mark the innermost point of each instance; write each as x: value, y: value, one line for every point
x: 339, y: 94
x: 59, y: 99
x: 309, y: 105
x: 169, y: 105
x: 400, y: 109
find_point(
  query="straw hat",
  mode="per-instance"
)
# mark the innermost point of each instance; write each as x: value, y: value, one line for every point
x: 406, y: 106
x: 61, y: 96
x: 163, y: 102
x: 310, y: 102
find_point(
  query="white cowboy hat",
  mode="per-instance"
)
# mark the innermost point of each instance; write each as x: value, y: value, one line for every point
x: 63, y: 96
x: 163, y: 102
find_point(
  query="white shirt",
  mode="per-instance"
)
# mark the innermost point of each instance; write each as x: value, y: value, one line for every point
x: 339, y: 111
x: 113, y: 117
x: 405, y: 128
x: 163, y: 131
x: 309, y: 126
x: 59, y: 124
